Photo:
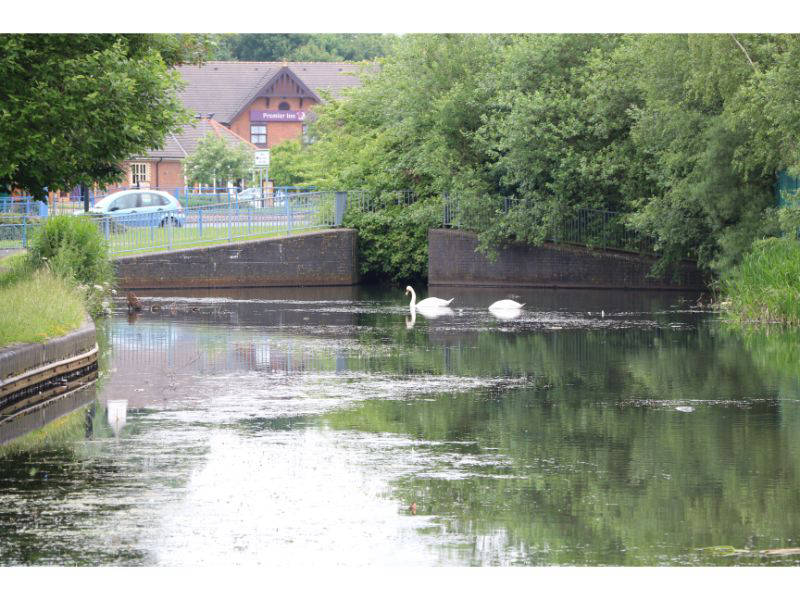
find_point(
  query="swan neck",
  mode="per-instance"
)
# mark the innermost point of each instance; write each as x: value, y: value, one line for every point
x: 413, y: 297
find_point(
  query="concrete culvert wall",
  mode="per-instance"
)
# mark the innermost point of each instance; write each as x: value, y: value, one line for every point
x: 453, y: 260
x: 320, y: 258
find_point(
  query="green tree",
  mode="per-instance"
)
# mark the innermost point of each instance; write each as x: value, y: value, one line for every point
x: 215, y: 162
x: 289, y: 163
x: 74, y: 107
x: 304, y: 47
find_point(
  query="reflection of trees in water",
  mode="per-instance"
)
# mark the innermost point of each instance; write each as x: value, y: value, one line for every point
x: 593, y: 467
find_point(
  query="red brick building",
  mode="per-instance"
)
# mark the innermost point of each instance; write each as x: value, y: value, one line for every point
x: 259, y: 103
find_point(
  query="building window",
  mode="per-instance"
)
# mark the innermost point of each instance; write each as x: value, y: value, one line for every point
x: 138, y: 173
x: 283, y: 106
x: 306, y: 138
x: 258, y: 134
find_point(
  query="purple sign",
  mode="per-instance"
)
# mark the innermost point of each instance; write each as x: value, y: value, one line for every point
x: 277, y: 115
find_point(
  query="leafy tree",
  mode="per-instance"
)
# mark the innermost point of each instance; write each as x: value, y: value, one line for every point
x: 288, y: 163
x: 304, y: 47
x: 681, y: 135
x: 74, y: 107
x: 215, y: 161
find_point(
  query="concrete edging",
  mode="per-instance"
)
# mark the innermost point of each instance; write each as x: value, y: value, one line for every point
x: 21, y: 358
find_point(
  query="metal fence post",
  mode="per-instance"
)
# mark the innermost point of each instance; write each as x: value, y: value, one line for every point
x: 341, y: 206
x: 288, y: 215
x: 24, y: 231
x: 200, y: 222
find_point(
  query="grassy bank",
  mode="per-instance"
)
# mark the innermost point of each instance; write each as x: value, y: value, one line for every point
x: 47, y: 291
x: 30, y: 313
x: 765, y: 286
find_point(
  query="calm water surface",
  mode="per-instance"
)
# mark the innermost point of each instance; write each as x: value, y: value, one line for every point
x: 297, y: 426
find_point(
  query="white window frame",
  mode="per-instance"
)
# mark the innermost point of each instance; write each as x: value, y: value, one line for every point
x: 140, y: 173
x: 258, y: 134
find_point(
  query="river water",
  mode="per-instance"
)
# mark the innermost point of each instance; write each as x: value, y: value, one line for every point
x: 324, y: 427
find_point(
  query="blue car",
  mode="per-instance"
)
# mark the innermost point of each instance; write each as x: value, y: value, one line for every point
x: 142, y: 208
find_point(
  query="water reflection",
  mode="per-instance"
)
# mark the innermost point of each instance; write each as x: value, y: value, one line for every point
x: 247, y: 428
x: 505, y: 314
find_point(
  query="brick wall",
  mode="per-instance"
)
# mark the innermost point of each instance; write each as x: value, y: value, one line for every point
x: 169, y: 174
x: 323, y: 258
x: 277, y: 132
x: 453, y: 260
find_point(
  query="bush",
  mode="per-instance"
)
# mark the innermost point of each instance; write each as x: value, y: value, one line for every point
x: 765, y: 286
x: 73, y: 247
x: 393, y: 241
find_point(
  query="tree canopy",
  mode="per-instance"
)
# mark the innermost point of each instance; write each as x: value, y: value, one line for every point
x: 680, y: 135
x: 74, y: 107
x: 215, y: 162
x: 303, y: 46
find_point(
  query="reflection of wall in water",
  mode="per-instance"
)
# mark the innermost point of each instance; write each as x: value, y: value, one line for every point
x: 153, y: 347
x: 46, y: 412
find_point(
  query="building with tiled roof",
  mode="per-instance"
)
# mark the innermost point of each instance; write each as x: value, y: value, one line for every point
x: 258, y: 103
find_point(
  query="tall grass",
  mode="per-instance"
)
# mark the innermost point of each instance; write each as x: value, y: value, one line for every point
x: 37, y: 307
x: 765, y: 286
x: 72, y: 247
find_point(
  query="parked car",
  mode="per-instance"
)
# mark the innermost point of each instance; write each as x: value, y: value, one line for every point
x: 253, y: 196
x: 258, y: 198
x: 140, y: 208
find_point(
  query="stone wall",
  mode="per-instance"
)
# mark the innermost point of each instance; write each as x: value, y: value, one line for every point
x: 453, y: 260
x: 309, y: 259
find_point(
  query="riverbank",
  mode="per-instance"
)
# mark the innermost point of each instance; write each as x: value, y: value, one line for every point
x: 48, y: 345
x: 765, y: 286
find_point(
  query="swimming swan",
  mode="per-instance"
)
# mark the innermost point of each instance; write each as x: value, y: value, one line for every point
x: 505, y: 304
x: 427, y: 303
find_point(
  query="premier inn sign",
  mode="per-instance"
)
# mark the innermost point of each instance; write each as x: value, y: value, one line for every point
x: 268, y: 116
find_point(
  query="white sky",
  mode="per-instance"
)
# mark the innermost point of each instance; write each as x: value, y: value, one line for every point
x: 400, y: 16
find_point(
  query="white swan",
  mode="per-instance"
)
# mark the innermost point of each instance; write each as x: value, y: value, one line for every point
x: 428, y: 302
x: 505, y: 304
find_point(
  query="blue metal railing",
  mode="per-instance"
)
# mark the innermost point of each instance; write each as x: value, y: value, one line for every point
x: 15, y: 230
x: 23, y: 205
x: 215, y: 223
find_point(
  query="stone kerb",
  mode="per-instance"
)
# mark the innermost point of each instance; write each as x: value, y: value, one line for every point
x: 18, y: 359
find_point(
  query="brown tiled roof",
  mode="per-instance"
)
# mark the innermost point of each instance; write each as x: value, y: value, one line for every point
x: 222, y: 88
x: 182, y: 144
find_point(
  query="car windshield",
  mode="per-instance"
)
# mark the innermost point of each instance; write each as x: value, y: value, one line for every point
x: 103, y: 203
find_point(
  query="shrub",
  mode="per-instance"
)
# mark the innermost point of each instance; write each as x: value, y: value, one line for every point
x: 393, y: 241
x: 73, y: 247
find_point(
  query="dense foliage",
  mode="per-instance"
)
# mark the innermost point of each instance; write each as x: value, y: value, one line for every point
x: 74, y: 107
x: 682, y: 135
x: 215, y: 162
x: 393, y: 242
x: 72, y: 247
x: 303, y: 46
